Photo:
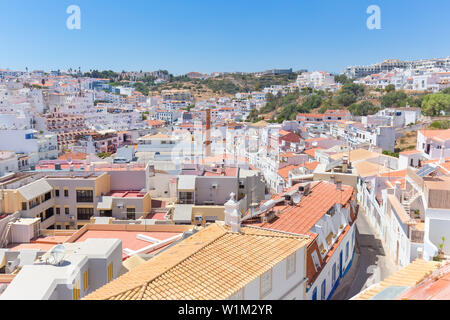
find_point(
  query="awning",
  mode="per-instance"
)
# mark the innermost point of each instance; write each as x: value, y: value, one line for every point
x: 35, y: 189
x: 186, y: 183
x: 105, y: 203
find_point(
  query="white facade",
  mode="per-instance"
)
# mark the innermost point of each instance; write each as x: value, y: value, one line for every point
x: 46, y: 281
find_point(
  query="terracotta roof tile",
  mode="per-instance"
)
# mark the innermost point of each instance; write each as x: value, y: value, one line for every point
x: 211, y: 264
x: 300, y: 219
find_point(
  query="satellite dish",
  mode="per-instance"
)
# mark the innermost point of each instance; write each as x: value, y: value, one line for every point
x: 296, y: 197
x: 56, y: 255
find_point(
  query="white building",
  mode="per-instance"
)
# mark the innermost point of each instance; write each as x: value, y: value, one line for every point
x: 75, y: 271
x: 434, y: 144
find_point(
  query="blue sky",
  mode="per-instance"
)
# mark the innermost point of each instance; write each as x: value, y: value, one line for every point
x: 216, y: 35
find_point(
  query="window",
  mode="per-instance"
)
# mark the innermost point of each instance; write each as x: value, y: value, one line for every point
x: 34, y: 203
x: 131, y: 213
x: 290, y: 265
x: 106, y: 213
x: 186, y: 197
x: 85, y: 213
x: 58, y: 210
x: 56, y: 192
x: 266, y: 283
x: 334, y: 273
x: 49, y: 213
x: 353, y: 239
x: 24, y: 206
x: 314, y: 295
x: 76, y: 291
x: 110, y: 271
x: 66, y: 210
x: 66, y: 193
x: 324, y: 290
x: 85, y: 196
x: 47, y: 196
x: 86, y: 280
x: 316, y: 260
x: 346, y: 251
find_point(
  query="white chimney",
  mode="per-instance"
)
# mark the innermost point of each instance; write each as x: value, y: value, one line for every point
x: 235, y: 221
x: 230, y: 206
x: 420, y: 253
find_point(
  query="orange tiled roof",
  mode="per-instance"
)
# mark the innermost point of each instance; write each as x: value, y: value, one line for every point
x: 435, y: 287
x: 311, y: 165
x: 284, y: 172
x: 310, y: 115
x: 312, y: 152
x: 398, y: 173
x: 409, y: 152
x: 300, y: 219
x: 155, y: 122
x: 214, y: 263
x: 410, y: 275
x: 439, y: 135
x: 73, y: 156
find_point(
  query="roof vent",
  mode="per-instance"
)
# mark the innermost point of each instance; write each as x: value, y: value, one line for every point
x: 304, y: 188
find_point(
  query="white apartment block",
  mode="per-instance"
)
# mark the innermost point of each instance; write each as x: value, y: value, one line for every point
x: 316, y: 80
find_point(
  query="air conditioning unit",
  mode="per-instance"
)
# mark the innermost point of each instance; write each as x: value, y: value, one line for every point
x: 120, y: 205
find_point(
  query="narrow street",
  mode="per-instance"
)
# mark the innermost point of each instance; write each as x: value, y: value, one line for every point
x: 370, y: 264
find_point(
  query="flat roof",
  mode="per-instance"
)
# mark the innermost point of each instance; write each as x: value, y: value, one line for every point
x: 125, y: 194
x: 129, y: 238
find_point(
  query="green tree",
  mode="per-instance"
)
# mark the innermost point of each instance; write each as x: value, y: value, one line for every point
x: 356, y: 89
x: 389, y: 88
x: 434, y: 104
x: 446, y: 91
x: 443, y: 124
x: 342, y: 79
x: 346, y: 98
x: 306, y: 91
x: 394, y: 99
x: 363, y: 109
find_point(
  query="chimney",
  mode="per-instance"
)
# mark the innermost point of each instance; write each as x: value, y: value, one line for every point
x: 235, y: 221
x: 208, y: 133
x: 339, y: 185
x: 332, y: 179
x: 419, y: 253
x: 230, y: 206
